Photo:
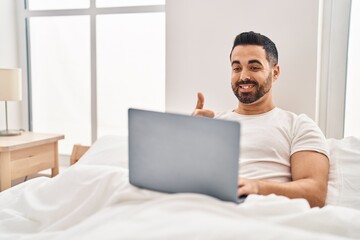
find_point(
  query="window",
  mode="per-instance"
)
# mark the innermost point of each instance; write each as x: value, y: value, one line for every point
x: 56, y: 5
x: 60, y: 66
x: 131, y: 67
x: 352, y: 115
x: 127, y: 3
x: 88, y: 65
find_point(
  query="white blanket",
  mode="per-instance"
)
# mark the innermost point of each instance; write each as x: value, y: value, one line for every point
x: 93, y: 200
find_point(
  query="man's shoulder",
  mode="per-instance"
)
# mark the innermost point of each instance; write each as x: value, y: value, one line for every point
x: 297, y: 118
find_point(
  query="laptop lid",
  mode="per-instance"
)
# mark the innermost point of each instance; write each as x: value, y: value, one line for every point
x: 179, y: 153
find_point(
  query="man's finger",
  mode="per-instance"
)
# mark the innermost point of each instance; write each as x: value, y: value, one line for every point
x: 200, y: 101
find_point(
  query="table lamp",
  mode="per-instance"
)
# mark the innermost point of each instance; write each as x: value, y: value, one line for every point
x: 10, y: 90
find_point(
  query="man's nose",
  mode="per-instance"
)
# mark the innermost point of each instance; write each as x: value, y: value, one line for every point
x: 245, y: 75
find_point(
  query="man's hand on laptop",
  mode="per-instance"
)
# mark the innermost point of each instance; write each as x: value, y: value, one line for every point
x: 247, y: 186
x: 199, y: 109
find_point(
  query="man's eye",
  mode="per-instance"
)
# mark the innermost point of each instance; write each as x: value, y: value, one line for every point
x: 255, y: 68
x: 236, y: 69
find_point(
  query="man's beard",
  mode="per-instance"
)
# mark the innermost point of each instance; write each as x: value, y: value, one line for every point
x: 250, y: 97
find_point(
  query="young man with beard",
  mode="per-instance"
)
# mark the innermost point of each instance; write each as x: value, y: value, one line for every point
x: 281, y: 153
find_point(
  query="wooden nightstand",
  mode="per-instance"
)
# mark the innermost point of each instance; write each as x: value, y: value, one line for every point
x: 27, y: 154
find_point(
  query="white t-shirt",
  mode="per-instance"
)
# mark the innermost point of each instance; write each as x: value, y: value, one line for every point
x: 268, y: 140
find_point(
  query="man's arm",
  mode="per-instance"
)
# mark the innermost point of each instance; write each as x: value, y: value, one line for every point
x: 309, y: 172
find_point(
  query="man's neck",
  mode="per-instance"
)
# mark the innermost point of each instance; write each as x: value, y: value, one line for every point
x: 263, y: 105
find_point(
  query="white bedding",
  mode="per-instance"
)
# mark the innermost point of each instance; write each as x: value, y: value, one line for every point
x: 93, y: 200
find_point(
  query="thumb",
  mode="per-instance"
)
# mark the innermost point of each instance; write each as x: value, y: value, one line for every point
x: 200, y: 101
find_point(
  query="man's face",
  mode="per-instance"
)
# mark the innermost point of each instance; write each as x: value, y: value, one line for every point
x: 252, y: 75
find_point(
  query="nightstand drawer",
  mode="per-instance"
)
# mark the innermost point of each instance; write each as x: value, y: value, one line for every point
x: 27, y: 154
x: 31, y: 160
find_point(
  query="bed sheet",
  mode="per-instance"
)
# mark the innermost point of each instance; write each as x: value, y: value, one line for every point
x: 94, y: 200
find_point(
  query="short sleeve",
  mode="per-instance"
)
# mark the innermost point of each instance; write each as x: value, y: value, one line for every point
x: 307, y: 136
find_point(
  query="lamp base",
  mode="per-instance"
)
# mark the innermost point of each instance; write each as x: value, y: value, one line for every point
x: 4, y: 133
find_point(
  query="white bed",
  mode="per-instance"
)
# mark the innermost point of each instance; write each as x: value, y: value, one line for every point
x: 93, y: 200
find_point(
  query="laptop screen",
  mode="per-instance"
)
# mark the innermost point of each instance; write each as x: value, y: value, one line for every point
x: 179, y: 153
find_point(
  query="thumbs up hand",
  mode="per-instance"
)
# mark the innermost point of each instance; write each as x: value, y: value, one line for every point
x: 199, y: 109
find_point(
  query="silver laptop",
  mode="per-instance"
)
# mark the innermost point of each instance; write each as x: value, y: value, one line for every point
x: 184, y: 154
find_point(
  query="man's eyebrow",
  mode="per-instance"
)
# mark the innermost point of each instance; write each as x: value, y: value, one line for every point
x: 254, y: 61
x: 249, y: 62
x: 235, y: 62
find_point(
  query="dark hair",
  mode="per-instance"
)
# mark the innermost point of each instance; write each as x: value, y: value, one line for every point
x: 252, y: 38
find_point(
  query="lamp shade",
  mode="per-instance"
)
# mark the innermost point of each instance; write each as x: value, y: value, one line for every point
x: 10, y: 84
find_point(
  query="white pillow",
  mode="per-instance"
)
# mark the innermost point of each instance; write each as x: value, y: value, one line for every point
x: 108, y: 150
x: 344, y: 176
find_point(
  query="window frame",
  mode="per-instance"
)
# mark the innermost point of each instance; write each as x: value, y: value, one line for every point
x: 24, y: 17
x: 332, y: 66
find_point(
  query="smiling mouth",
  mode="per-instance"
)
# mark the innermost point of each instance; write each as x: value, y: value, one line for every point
x: 246, y: 86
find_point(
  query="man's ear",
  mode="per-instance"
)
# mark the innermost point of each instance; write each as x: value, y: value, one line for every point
x: 276, y: 72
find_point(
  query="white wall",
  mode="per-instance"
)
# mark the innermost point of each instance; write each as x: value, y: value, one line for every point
x: 200, y: 34
x: 9, y: 59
